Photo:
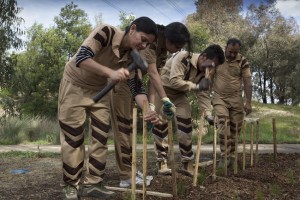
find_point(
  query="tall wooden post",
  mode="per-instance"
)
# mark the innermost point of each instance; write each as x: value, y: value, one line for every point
x: 274, y: 139
x: 244, y: 144
x: 198, y: 150
x: 214, y: 151
x: 172, y: 159
x: 134, y: 135
x: 144, y: 150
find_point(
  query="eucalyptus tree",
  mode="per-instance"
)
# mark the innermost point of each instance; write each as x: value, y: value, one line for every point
x: 10, y: 33
x: 273, y: 55
x: 73, y: 27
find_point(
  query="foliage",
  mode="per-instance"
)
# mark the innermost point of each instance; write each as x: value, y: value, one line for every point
x: 199, y: 36
x: 16, y: 130
x: 38, y: 72
x: 35, y: 73
x: 73, y: 27
x: 125, y: 19
x: 10, y: 25
x: 10, y: 33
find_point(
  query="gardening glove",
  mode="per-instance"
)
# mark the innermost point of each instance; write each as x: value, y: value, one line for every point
x: 169, y: 108
x: 210, y: 119
x: 203, y: 84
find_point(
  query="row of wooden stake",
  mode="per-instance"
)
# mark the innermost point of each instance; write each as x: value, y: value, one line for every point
x: 134, y: 191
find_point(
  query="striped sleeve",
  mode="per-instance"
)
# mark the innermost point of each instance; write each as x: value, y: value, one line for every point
x: 245, y: 68
x: 136, y: 86
x: 84, y: 53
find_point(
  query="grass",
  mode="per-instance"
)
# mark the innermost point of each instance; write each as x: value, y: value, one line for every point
x: 28, y: 154
x: 287, y: 121
x: 41, y: 130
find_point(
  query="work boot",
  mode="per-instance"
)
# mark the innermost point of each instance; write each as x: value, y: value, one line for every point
x: 187, y: 168
x: 70, y: 192
x: 163, y: 168
x: 97, y: 190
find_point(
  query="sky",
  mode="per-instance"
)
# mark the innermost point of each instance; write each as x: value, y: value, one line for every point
x: 160, y: 11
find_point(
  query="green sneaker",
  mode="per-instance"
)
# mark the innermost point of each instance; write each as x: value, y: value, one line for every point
x: 70, y: 192
x: 98, y: 191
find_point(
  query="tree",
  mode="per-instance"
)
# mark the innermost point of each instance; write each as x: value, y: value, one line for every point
x: 73, y: 26
x: 125, y: 19
x: 273, y: 55
x: 38, y: 71
x: 9, y: 35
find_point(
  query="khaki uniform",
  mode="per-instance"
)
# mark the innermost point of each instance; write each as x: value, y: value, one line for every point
x: 227, y: 98
x: 179, y: 76
x: 121, y: 119
x: 76, y: 90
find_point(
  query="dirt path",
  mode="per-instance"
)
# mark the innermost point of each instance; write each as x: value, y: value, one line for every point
x: 269, y: 180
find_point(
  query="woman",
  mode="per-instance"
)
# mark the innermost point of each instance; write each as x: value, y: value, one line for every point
x: 103, y: 55
x: 171, y: 38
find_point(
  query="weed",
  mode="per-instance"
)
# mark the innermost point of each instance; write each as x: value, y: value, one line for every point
x: 291, y: 177
x: 275, y: 189
x: 202, y: 176
x: 260, y: 195
x: 180, y: 188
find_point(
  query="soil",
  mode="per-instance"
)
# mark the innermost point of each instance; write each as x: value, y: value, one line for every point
x: 269, y: 179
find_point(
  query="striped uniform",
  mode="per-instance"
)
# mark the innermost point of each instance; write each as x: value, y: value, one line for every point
x: 122, y: 115
x: 227, y: 98
x: 179, y: 76
x: 75, y: 105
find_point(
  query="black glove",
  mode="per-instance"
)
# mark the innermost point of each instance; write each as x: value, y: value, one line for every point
x: 210, y: 119
x: 203, y: 84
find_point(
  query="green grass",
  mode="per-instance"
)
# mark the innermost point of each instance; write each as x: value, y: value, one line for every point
x: 28, y: 154
x: 287, y: 120
x: 41, y: 130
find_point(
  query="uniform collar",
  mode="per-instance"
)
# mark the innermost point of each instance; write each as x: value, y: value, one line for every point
x: 117, y: 40
x: 194, y: 59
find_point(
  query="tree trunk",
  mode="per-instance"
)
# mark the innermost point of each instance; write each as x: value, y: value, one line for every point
x: 264, y: 93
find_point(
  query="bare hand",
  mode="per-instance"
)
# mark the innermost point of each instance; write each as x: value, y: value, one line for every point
x: 152, y: 117
x: 119, y: 75
x: 248, y: 108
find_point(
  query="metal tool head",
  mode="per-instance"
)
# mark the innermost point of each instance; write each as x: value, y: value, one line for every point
x: 138, y: 60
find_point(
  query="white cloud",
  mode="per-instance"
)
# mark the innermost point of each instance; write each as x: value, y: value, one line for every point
x: 289, y: 8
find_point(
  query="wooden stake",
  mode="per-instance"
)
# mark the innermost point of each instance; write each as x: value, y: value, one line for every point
x: 251, y: 144
x: 274, y: 139
x: 225, y: 156
x: 133, y: 172
x: 198, y: 150
x: 214, y: 151
x: 244, y: 144
x: 172, y: 159
x: 257, y: 138
x: 144, y: 150
x: 158, y: 194
x: 236, y: 143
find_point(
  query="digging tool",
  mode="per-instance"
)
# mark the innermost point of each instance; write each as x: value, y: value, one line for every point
x: 138, y: 62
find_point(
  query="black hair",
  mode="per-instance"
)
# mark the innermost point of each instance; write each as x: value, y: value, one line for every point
x: 234, y: 41
x: 214, y: 51
x: 144, y: 24
x: 177, y: 33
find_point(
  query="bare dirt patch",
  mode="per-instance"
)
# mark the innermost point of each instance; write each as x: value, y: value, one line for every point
x: 269, y: 180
